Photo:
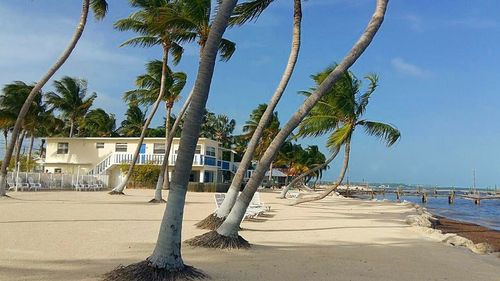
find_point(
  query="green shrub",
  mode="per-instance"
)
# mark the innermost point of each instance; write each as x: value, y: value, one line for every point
x: 143, y: 176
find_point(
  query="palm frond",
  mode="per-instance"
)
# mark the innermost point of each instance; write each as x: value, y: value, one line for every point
x: 364, y: 98
x: 387, y: 133
x: 99, y: 8
x: 248, y: 11
x: 226, y: 49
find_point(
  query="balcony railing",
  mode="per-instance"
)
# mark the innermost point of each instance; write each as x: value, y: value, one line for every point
x: 117, y: 158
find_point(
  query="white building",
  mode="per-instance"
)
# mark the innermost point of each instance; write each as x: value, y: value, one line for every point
x: 97, y: 156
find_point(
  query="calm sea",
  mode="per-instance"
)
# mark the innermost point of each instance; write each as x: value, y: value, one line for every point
x: 487, y: 214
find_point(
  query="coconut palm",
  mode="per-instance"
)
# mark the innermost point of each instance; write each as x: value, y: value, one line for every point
x: 348, y: 106
x: 244, y: 12
x: 99, y: 8
x: 134, y: 120
x: 151, y: 32
x: 98, y: 123
x: 226, y: 236
x: 219, y: 128
x: 70, y: 98
x: 11, y: 101
x: 166, y: 263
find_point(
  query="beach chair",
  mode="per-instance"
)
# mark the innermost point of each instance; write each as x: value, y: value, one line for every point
x: 33, y: 185
x: 11, y: 184
x: 98, y: 185
x: 219, y: 198
x: 22, y: 185
x: 293, y: 195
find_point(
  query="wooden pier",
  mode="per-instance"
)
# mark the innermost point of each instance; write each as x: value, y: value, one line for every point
x: 475, y: 195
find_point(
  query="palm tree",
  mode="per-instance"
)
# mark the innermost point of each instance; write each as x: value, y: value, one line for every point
x: 348, y: 107
x: 134, y: 120
x: 99, y: 8
x: 145, y: 21
x: 166, y: 260
x: 226, y: 236
x: 219, y: 128
x: 70, y: 98
x: 11, y: 101
x: 244, y: 12
x: 98, y: 123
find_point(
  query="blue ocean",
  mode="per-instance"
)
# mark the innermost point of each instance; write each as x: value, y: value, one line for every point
x: 486, y: 214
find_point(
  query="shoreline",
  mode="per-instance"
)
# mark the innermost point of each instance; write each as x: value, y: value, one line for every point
x: 472, y: 231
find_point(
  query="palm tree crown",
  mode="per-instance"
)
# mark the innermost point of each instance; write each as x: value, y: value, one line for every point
x: 70, y: 98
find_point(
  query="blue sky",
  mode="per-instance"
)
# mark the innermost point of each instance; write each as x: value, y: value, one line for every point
x: 437, y: 62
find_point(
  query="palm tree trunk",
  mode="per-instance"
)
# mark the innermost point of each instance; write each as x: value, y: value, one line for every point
x: 19, y: 147
x: 167, y: 253
x: 6, y: 137
x: 229, y: 228
x: 71, y: 127
x: 214, y: 220
x: 120, y: 187
x: 30, y: 150
x: 164, y: 168
x: 36, y: 89
x: 307, y: 173
x: 163, y: 176
x: 347, y: 151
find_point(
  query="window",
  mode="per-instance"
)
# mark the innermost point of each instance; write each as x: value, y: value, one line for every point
x: 197, y: 151
x: 210, y: 151
x: 209, y: 176
x: 99, y: 145
x: 121, y: 147
x: 159, y: 148
x: 62, y: 148
x: 57, y: 170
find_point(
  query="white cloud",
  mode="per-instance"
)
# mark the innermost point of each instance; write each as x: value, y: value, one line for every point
x: 409, y: 69
x: 415, y: 22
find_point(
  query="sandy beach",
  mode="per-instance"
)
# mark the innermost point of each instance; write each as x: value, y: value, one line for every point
x: 81, y: 235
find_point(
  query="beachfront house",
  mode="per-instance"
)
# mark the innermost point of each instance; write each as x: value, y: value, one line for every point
x: 103, y: 156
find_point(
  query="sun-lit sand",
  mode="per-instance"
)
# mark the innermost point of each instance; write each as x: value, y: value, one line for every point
x: 81, y: 235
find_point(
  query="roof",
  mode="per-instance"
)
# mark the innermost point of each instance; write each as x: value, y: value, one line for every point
x: 276, y: 173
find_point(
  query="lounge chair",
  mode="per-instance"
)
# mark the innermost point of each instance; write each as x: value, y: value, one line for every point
x: 11, y: 184
x: 33, y: 185
x: 22, y: 185
x: 219, y: 198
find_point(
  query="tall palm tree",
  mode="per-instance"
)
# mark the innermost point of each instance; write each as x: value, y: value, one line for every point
x: 166, y: 261
x: 134, y: 120
x: 98, y: 123
x: 151, y: 32
x: 70, y: 98
x: 244, y: 12
x: 148, y: 86
x: 226, y: 236
x: 348, y: 106
x: 99, y: 8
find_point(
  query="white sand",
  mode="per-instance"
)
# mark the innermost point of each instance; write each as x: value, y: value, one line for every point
x: 81, y: 235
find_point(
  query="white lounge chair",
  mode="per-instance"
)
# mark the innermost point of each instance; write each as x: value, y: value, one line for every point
x: 11, y: 184
x: 34, y: 185
x: 22, y: 185
x: 219, y: 198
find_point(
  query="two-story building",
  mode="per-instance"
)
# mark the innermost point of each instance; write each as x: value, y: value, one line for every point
x: 97, y: 156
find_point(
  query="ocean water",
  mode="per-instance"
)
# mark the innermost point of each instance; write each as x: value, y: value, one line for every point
x: 487, y: 214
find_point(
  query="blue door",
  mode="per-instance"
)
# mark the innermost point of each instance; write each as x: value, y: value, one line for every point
x: 142, y: 152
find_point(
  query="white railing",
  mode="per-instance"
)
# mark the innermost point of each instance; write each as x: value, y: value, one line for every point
x: 117, y: 158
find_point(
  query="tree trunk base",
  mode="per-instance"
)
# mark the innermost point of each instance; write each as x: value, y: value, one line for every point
x: 4, y: 196
x: 212, y: 222
x: 213, y: 239
x: 143, y: 271
x: 112, y: 192
x: 157, y: 201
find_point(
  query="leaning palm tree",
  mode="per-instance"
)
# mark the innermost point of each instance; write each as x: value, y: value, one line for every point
x: 99, y: 8
x: 244, y: 12
x: 349, y: 106
x: 70, y: 98
x: 226, y: 236
x: 146, y: 23
x: 166, y: 263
